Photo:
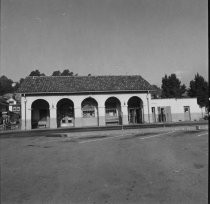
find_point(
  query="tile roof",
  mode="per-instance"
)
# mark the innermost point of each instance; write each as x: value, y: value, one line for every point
x: 72, y: 84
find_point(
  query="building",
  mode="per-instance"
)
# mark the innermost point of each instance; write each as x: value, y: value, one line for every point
x: 176, y: 110
x: 14, y: 106
x: 78, y: 101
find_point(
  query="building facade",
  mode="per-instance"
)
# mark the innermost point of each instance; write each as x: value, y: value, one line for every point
x: 176, y: 110
x: 54, y: 102
x: 14, y: 106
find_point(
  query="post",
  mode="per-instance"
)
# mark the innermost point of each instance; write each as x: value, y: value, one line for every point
x: 124, y: 111
x: 122, y: 119
x: 102, y: 115
x: 53, y: 116
x: 25, y: 109
x: 148, y: 107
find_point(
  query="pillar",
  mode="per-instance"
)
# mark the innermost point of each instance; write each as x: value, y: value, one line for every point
x: 101, y: 114
x: 78, y: 116
x: 145, y: 114
x: 23, y: 119
x: 124, y: 110
x: 147, y: 111
x: 25, y: 115
x: 53, y: 117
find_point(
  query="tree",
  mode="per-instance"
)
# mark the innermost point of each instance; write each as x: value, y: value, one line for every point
x: 5, y: 85
x: 56, y: 73
x: 171, y: 87
x: 36, y: 73
x: 156, y: 93
x: 8, y: 86
x: 66, y: 72
x: 16, y: 85
x: 199, y: 88
x: 21, y: 81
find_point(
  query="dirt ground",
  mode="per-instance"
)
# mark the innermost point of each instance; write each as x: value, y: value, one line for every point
x: 165, y: 165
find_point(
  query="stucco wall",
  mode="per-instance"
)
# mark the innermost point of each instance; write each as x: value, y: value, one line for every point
x: 77, y: 100
x: 177, y: 107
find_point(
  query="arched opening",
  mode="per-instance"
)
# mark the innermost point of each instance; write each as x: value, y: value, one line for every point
x: 65, y: 113
x: 113, y: 111
x: 135, y: 110
x: 40, y: 114
x: 89, y: 112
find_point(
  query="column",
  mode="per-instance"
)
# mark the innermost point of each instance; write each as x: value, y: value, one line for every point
x: 23, y: 119
x: 124, y: 110
x: 25, y: 115
x: 78, y: 116
x: 101, y: 114
x: 53, y: 117
x: 147, y: 111
x: 28, y: 118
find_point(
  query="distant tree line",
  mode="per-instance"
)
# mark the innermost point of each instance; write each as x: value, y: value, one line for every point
x: 171, y: 86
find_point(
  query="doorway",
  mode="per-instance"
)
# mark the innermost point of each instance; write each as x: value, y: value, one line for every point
x: 135, y: 114
x: 187, y: 116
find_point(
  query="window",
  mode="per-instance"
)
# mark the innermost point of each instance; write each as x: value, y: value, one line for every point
x: 14, y: 108
x: 18, y: 109
x: 186, y: 109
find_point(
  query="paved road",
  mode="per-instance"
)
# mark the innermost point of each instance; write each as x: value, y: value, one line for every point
x: 132, y: 166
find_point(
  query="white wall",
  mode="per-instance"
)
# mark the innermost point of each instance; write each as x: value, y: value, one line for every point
x: 77, y: 100
x: 177, y: 107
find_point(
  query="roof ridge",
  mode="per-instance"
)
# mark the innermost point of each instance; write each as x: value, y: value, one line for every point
x: 86, y: 76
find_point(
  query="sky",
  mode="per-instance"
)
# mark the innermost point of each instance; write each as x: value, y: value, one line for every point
x: 150, y: 38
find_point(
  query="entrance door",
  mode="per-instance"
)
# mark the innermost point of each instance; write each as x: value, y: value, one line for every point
x: 163, y: 115
x: 168, y: 114
x: 187, y: 113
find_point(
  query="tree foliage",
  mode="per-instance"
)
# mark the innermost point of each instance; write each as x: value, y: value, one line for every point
x: 8, y: 86
x: 5, y: 85
x: 156, y: 93
x: 171, y: 87
x: 66, y: 72
x: 199, y: 88
x: 36, y: 73
x: 56, y: 73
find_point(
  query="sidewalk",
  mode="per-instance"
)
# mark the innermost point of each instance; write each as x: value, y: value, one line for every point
x: 87, y: 130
